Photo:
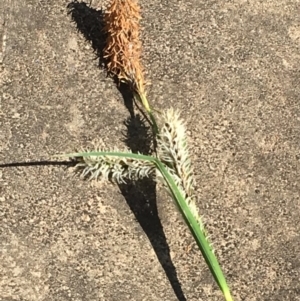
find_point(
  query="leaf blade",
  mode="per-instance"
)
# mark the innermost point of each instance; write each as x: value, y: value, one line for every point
x: 192, y: 223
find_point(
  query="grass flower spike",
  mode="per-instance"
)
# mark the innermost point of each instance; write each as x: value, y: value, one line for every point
x: 124, y: 48
x: 116, y: 168
x: 171, y: 163
x: 173, y: 150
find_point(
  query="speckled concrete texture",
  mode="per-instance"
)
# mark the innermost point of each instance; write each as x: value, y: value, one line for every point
x: 232, y: 68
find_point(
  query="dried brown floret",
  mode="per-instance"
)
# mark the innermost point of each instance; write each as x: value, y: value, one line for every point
x: 123, y: 46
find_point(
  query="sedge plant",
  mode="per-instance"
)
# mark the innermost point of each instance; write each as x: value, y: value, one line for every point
x: 171, y: 164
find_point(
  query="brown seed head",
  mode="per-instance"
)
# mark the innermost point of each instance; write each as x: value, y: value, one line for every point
x: 123, y: 46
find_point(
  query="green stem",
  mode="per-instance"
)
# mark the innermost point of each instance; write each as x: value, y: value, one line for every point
x: 143, y: 99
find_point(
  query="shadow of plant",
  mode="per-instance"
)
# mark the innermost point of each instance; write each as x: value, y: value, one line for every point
x: 141, y: 198
x: 90, y: 23
x: 140, y: 195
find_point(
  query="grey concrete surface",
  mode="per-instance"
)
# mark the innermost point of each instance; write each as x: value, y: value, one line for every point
x: 232, y: 68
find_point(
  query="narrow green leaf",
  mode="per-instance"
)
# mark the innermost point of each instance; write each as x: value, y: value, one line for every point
x: 184, y: 209
x: 112, y: 154
x: 199, y: 236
